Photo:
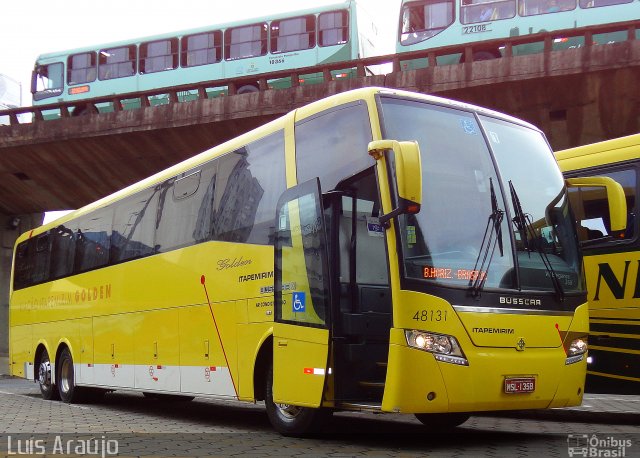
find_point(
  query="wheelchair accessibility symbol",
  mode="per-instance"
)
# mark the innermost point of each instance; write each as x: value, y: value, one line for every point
x: 299, y: 301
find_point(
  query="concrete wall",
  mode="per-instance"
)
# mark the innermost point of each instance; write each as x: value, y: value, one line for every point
x: 8, y: 235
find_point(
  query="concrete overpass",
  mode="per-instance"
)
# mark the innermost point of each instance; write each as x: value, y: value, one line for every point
x: 577, y: 96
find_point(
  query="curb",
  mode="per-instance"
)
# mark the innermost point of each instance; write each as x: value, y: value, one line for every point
x: 574, y: 415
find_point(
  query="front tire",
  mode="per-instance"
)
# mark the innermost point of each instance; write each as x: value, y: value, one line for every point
x: 442, y: 421
x: 47, y: 387
x: 290, y: 420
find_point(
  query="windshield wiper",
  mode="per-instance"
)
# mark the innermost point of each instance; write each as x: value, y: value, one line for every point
x: 483, y: 261
x: 524, y: 225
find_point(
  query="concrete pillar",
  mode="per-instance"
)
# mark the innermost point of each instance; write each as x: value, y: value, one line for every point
x: 11, y: 226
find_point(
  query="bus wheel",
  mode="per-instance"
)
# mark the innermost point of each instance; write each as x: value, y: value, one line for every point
x: 291, y: 420
x: 84, y: 110
x: 483, y: 55
x: 247, y: 89
x: 65, y: 375
x: 442, y: 420
x: 47, y: 387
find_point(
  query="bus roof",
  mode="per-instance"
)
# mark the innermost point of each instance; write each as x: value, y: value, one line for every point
x: 216, y: 26
x: 606, y: 152
x: 366, y: 93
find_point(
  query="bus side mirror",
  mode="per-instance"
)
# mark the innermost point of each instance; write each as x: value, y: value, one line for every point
x: 615, y: 197
x: 408, y: 175
x: 34, y: 82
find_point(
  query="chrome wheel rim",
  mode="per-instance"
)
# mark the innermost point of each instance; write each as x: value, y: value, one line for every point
x: 66, y: 376
x: 288, y: 411
x: 44, y: 374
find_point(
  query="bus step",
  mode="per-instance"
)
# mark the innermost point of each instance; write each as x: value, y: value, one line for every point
x: 371, y: 384
x: 369, y: 406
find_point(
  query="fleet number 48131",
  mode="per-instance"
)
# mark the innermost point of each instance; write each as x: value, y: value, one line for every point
x: 430, y: 315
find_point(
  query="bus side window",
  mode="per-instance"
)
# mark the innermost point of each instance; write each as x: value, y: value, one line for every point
x: 134, y: 226
x: 158, y: 56
x: 42, y: 259
x: 598, y: 3
x: 201, y: 49
x: 333, y: 142
x: 333, y: 28
x: 177, y: 210
x: 251, y: 179
x: 246, y: 41
x: 93, y: 240
x: 81, y: 68
x: 293, y: 34
x: 63, y: 249
x: 117, y: 62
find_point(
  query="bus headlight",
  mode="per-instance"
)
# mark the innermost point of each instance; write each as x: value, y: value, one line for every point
x: 444, y: 348
x: 577, y: 350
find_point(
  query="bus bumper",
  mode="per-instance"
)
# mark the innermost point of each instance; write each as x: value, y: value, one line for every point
x: 418, y: 383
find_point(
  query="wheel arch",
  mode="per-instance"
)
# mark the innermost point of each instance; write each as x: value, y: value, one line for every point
x: 64, y: 343
x: 261, y: 366
x: 41, y: 347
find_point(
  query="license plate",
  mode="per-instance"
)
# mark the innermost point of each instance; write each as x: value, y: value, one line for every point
x: 519, y: 385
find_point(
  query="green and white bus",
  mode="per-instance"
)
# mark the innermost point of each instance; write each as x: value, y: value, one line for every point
x: 427, y: 24
x: 246, y: 49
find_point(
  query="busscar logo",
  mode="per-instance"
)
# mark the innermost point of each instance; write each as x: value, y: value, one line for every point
x: 508, y: 300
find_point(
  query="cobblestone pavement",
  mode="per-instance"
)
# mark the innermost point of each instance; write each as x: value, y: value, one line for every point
x: 131, y: 425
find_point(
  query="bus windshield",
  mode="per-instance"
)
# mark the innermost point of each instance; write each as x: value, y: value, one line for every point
x: 487, y: 220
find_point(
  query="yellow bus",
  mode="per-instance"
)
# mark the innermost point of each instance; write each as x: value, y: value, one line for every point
x: 611, y: 260
x: 377, y: 250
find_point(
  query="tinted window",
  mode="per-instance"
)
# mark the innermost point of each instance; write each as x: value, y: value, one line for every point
x: 117, y: 62
x: 134, y: 226
x: 22, y: 266
x: 333, y: 28
x: 246, y: 41
x: 334, y: 142
x: 63, y: 251
x: 250, y: 181
x: 159, y: 56
x: 179, y: 202
x: 293, y: 34
x: 201, y: 49
x: 93, y: 240
x: 81, y: 68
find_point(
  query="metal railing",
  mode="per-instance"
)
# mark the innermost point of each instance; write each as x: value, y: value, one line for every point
x: 203, y: 90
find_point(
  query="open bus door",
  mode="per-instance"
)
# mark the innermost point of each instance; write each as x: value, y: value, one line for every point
x: 302, y: 299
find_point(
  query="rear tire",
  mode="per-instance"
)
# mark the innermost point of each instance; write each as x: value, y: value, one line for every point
x: 442, y: 421
x: 66, y: 379
x: 290, y: 420
x: 483, y: 55
x: 47, y: 387
x: 247, y: 89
